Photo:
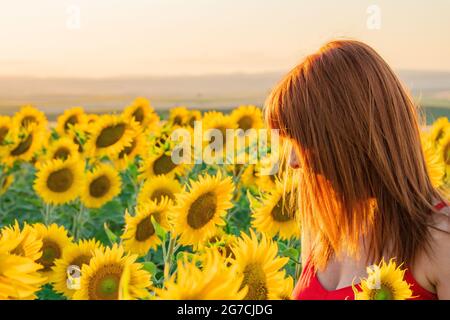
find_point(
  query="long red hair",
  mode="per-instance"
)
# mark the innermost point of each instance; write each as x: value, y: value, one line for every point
x: 363, y: 177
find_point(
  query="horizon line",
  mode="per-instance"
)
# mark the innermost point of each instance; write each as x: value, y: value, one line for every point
x: 187, y: 75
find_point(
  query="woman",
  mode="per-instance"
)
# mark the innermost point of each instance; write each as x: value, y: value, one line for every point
x: 364, y: 190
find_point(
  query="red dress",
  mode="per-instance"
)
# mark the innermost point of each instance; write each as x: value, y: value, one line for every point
x: 315, y: 291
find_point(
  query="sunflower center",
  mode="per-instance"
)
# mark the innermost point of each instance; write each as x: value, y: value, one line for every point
x: 177, y: 121
x: 99, y: 186
x: 19, y: 251
x: 50, y: 252
x: 191, y: 121
x: 61, y: 153
x: 28, y: 120
x: 80, y: 260
x: 72, y: 120
x: 160, y: 193
x: 3, y: 133
x: 384, y: 293
x: 60, y: 180
x: 157, y: 216
x: 163, y: 165
x: 162, y: 140
x: 245, y: 123
x: 110, y: 135
x: 127, y: 150
x: 281, y: 212
x: 202, y: 210
x: 447, y: 154
x: 23, y: 147
x: 138, y: 115
x: 255, y: 279
x: 104, y: 284
x: 144, y: 229
x: 439, y: 135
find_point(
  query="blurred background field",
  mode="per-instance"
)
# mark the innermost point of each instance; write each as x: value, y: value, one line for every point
x: 220, y: 92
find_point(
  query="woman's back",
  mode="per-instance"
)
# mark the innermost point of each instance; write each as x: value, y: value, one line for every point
x: 335, y: 282
x: 364, y: 186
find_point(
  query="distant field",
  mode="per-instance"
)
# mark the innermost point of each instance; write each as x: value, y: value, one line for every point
x: 433, y: 113
x: 432, y: 109
x: 208, y: 92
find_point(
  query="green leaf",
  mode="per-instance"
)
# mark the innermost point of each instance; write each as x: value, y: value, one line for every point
x: 291, y: 253
x: 282, y: 246
x: 111, y: 236
x: 160, y: 232
x: 150, y: 267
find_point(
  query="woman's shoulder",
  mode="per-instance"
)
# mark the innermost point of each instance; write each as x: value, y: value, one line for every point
x: 437, y: 259
x: 440, y: 219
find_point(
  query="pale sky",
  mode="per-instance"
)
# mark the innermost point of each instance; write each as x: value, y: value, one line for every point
x: 178, y: 37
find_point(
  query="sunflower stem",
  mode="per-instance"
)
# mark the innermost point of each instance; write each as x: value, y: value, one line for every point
x: 148, y: 256
x: 168, y: 257
x: 2, y: 181
x: 48, y: 214
x: 298, y: 269
x: 241, y: 171
x: 136, y: 187
x: 78, y: 222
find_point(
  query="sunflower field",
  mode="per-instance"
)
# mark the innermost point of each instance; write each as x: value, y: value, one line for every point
x: 93, y: 207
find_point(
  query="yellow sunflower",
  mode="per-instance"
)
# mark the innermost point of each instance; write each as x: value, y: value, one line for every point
x: 268, y: 174
x: 215, y: 280
x: 27, y: 242
x: 434, y: 162
x: 275, y: 213
x: 262, y: 269
x: 137, y: 147
x: 19, y: 276
x: 141, y: 112
x: 194, y: 115
x: 62, y: 148
x: 140, y: 235
x: 110, y: 135
x: 218, y: 121
x: 59, y: 181
x: 29, y: 115
x: 54, y: 241
x: 91, y: 118
x: 23, y: 143
x: 100, y: 186
x: 248, y: 117
x: 286, y: 294
x: 444, y: 149
x: 100, y: 279
x: 159, y: 187
x: 252, y: 177
x: 68, y: 267
x: 221, y: 241
x: 179, y: 116
x: 160, y: 163
x: 384, y: 282
x: 248, y: 175
x: 202, y: 208
x: 5, y: 127
x: 124, y: 284
x: 71, y: 118
x: 438, y: 129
